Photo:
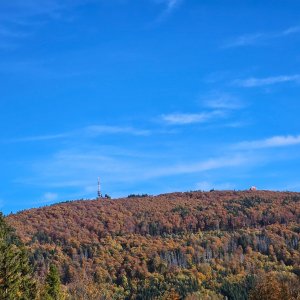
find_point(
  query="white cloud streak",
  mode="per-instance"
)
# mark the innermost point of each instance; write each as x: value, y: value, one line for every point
x: 39, y: 138
x: 190, y: 118
x: 87, y: 132
x: 257, y: 82
x: 172, y: 4
x: 222, y: 101
x: 244, y: 40
x: 19, y: 9
x: 20, y: 19
x: 273, y: 142
x: 103, y: 129
x: 79, y: 169
x: 198, y: 167
x: 291, y: 30
x: 260, y: 38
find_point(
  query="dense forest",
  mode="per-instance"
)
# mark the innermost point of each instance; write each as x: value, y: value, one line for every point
x: 193, y: 245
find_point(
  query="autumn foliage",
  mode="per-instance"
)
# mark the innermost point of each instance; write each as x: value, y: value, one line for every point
x: 194, y: 245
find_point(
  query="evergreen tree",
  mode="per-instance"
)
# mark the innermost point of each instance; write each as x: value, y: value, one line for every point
x: 16, y: 277
x: 53, y: 284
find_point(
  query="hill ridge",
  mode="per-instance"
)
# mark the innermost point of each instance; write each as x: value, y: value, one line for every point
x: 182, y: 245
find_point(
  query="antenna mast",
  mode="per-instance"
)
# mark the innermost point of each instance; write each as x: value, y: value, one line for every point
x: 99, y: 190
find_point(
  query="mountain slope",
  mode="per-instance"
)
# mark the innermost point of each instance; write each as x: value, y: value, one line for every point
x: 192, y: 244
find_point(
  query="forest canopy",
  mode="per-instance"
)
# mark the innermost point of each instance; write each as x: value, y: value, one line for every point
x: 194, y: 245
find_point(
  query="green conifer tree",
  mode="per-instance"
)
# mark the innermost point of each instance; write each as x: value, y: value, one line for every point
x: 16, y: 277
x: 53, y: 284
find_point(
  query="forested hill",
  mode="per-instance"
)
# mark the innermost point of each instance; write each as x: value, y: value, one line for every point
x: 90, y: 220
x: 193, y: 245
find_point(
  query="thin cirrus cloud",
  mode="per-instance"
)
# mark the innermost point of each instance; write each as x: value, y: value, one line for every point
x: 81, y: 168
x: 190, y: 118
x: 12, y: 10
x: 86, y: 132
x: 101, y: 129
x: 272, y: 142
x: 170, y: 6
x: 236, y: 160
x: 17, y: 10
x: 257, y: 82
x: 39, y: 138
x: 20, y: 19
x: 260, y: 38
x: 222, y: 101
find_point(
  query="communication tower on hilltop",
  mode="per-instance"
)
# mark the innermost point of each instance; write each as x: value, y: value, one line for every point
x: 99, y: 189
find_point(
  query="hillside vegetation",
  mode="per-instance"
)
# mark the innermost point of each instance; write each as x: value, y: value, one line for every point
x: 194, y: 245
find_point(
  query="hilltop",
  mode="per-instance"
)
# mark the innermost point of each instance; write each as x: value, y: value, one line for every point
x: 193, y: 244
x: 90, y: 220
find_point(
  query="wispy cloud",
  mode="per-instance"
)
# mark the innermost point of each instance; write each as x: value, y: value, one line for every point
x: 222, y: 101
x: 39, y: 138
x: 216, y: 106
x: 169, y: 8
x: 86, y: 132
x: 256, y: 82
x: 245, y: 40
x: 12, y: 10
x: 272, y: 142
x: 21, y: 19
x: 78, y: 169
x: 103, y: 129
x: 171, y: 5
x: 190, y: 118
x: 198, y: 167
x: 259, y: 38
x: 291, y: 30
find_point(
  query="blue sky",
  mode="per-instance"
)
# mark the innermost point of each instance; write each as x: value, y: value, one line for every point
x: 153, y: 96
